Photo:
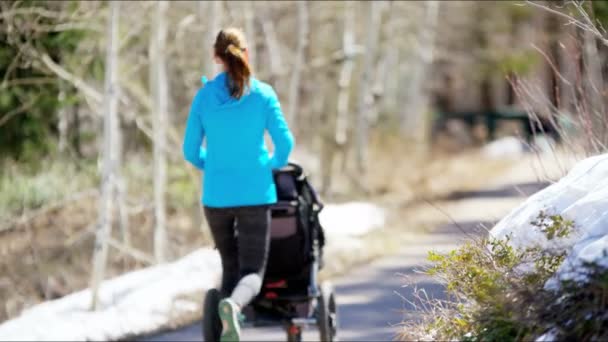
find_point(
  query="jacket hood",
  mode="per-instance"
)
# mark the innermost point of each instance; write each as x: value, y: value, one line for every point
x: 218, y: 91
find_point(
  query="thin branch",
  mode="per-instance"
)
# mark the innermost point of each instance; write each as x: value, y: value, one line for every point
x: 24, y: 107
x: 134, y: 253
x: 552, y: 65
x: 75, y: 80
x: 28, y: 81
x: 11, y: 68
x: 572, y: 20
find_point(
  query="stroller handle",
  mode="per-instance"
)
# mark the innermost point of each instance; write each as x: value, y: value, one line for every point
x: 299, y: 170
x: 295, y: 166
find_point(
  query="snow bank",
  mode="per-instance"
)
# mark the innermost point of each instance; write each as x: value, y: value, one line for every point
x: 581, y: 196
x: 146, y: 300
x: 132, y: 303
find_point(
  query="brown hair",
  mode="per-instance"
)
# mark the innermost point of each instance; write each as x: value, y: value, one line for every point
x: 230, y: 47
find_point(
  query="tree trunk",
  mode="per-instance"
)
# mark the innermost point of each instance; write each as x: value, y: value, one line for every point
x: 568, y: 63
x: 104, y: 228
x: 592, y: 85
x: 414, y: 117
x: 382, y: 73
x: 211, y: 14
x: 158, y: 65
x: 274, y: 51
x: 390, y: 99
x: 76, y: 130
x: 63, y: 124
x: 553, y: 31
x: 294, y: 85
x: 344, y: 80
x: 365, y: 86
x: 250, y: 32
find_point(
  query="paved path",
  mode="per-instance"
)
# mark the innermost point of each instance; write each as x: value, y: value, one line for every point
x: 370, y: 298
x: 373, y: 299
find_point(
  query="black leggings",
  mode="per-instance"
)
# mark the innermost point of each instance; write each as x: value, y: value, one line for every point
x: 242, y: 237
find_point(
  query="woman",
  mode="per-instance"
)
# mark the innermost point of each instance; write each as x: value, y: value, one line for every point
x: 231, y: 113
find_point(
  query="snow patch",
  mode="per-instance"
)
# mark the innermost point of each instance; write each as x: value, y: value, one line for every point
x: 132, y: 303
x: 580, y: 196
x: 507, y: 147
x: 548, y: 336
x: 351, y: 219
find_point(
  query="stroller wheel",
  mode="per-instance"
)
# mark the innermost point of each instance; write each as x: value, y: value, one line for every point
x: 327, y: 313
x: 212, y: 325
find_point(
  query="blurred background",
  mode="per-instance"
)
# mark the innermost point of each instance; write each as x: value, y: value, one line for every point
x: 380, y: 96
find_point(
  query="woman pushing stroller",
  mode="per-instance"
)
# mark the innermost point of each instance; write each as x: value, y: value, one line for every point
x: 231, y: 114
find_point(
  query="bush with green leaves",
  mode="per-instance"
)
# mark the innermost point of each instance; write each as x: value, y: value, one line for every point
x: 497, y: 292
x: 29, y: 94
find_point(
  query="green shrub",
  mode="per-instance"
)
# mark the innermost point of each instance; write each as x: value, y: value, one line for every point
x: 553, y: 225
x: 29, y: 109
x: 497, y: 292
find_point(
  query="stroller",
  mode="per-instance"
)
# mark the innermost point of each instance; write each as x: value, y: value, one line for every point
x: 291, y: 296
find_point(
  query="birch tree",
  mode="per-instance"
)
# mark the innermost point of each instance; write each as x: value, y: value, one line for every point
x: 248, y: 10
x: 213, y: 14
x: 104, y: 227
x: 413, y: 121
x: 346, y: 71
x: 120, y: 188
x: 62, y: 125
x: 160, y: 95
x: 365, y: 84
x: 593, y: 87
x: 386, y: 80
x: 273, y: 48
x: 294, y: 85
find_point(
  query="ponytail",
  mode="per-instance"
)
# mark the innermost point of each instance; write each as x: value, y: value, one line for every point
x: 230, y: 47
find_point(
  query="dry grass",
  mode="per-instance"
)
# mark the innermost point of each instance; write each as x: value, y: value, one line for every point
x: 400, y: 171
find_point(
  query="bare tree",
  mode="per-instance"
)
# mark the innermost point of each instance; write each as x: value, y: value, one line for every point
x: 273, y: 48
x: 365, y: 84
x: 250, y: 32
x: 120, y: 191
x: 62, y: 125
x: 294, y: 85
x: 160, y: 95
x: 583, y: 20
x: 211, y: 13
x: 416, y: 99
x: 390, y: 78
x: 593, y: 84
x: 346, y: 71
x: 104, y: 228
x: 335, y: 143
x: 583, y: 84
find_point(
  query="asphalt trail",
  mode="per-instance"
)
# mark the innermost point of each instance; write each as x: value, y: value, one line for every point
x: 372, y: 299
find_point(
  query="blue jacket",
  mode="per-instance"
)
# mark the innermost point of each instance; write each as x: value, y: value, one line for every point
x: 237, y: 165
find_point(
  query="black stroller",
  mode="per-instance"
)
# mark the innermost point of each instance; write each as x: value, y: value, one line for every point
x: 291, y: 296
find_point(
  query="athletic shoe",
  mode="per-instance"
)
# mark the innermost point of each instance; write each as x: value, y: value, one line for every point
x: 229, y: 314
